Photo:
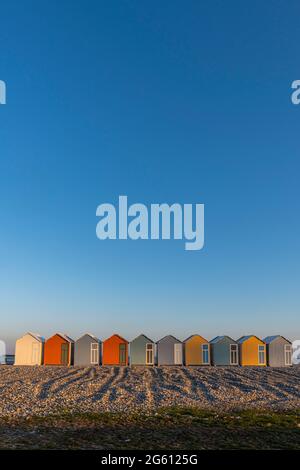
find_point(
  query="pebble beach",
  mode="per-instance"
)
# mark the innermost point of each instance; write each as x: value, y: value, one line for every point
x: 45, y: 390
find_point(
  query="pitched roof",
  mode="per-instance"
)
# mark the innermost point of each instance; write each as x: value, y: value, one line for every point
x: 91, y: 336
x: 192, y: 336
x: 217, y: 339
x: 270, y: 339
x: 168, y: 336
x: 144, y: 336
x: 118, y: 336
x: 245, y: 338
x: 36, y: 336
x: 66, y: 337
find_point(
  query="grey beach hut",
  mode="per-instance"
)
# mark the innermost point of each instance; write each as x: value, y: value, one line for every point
x: 224, y: 351
x: 87, y: 351
x: 142, y: 351
x: 279, y: 351
x: 169, y: 351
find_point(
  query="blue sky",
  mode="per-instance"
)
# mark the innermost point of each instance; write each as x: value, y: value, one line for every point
x: 164, y: 102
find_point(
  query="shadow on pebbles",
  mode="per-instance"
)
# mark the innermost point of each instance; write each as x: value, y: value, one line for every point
x: 48, y: 390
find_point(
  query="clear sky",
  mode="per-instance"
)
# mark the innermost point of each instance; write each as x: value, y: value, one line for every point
x: 169, y: 101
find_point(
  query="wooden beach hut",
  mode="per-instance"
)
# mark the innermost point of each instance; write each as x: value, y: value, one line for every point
x: 142, y: 351
x: 87, y: 351
x: 279, y: 351
x: 196, y: 351
x: 59, y: 350
x: 115, y: 351
x: 252, y: 351
x: 29, y: 350
x: 224, y: 351
x: 169, y: 351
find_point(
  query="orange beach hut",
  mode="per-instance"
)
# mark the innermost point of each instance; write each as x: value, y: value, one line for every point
x: 252, y: 351
x: 115, y: 351
x: 59, y: 350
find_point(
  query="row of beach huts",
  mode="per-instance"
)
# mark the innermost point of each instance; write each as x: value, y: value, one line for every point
x: 88, y: 350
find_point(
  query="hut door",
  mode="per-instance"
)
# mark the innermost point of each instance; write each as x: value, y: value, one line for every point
x: 64, y: 354
x: 94, y: 353
x: 35, y: 353
x: 287, y: 355
x: 233, y: 354
x: 122, y: 354
x: 149, y: 354
x: 177, y: 354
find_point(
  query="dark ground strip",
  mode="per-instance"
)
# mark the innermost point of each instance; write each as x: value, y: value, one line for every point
x: 171, y: 428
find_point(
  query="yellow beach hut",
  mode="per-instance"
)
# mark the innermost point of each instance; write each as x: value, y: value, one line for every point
x: 196, y: 351
x: 252, y: 351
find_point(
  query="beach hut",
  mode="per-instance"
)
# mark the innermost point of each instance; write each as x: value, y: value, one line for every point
x: 29, y: 350
x: 196, y: 351
x: 87, y: 350
x: 169, y: 351
x: 59, y: 350
x: 252, y: 351
x: 142, y: 351
x: 224, y: 351
x: 115, y: 351
x: 279, y: 351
